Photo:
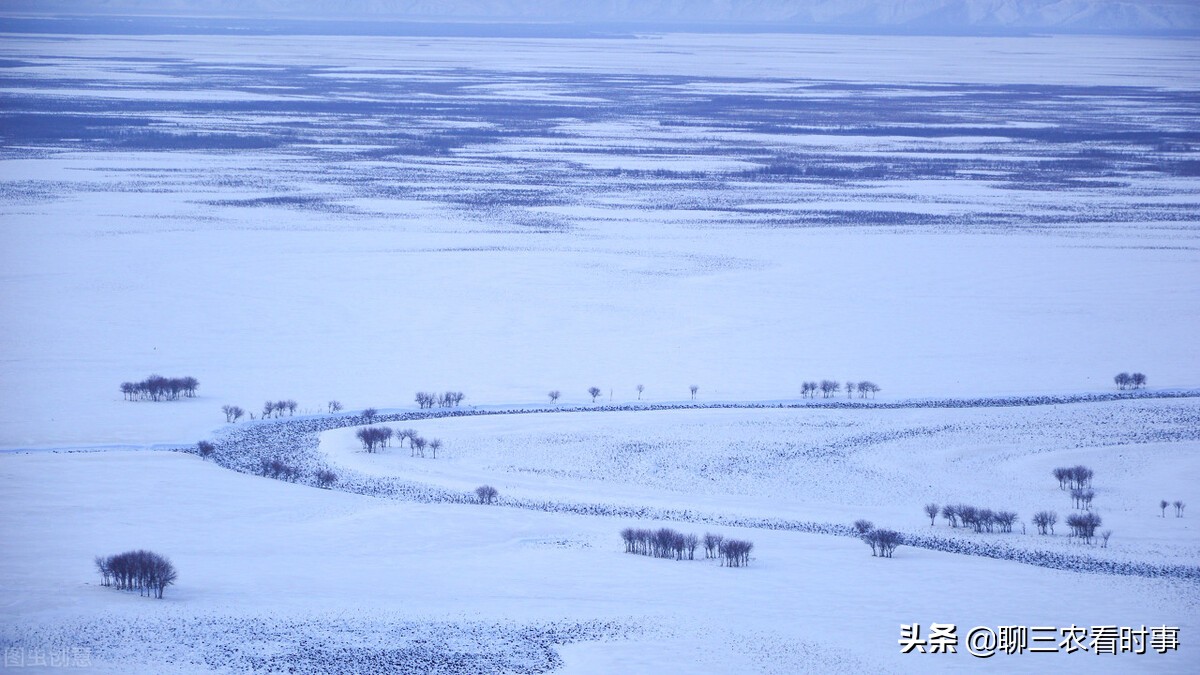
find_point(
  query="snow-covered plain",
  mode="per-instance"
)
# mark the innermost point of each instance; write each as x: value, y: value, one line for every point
x: 317, y: 218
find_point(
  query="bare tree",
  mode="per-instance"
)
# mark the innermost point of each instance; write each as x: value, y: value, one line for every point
x: 291, y: 407
x: 335, y: 406
x: 369, y: 414
x: 594, y: 392
x: 434, y: 445
x: 950, y: 513
x: 931, y: 510
x: 268, y: 408
x: 640, y: 389
x: 1045, y: 520
x: 486, y: 494
x: 1138, y: 380
x: 1122, y: 380
x: 1104, y: 538
x: 1179, y: 506
x: 849, y: 388
x: 694, y: 388
x: 417, y: 443
x: 554, y: 394
x: 205, y: 449
x: 712, y: 544
x: 1163, y: 505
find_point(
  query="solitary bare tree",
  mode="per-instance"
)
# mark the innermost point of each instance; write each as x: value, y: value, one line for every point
x: 594, y: 392
x: 554, y: 394
x: 335, y: 406
x: 434, y: 445
x: 640, y: 389
x: 694, y: 389
x: 1163, y: 505
x: 931, y: 510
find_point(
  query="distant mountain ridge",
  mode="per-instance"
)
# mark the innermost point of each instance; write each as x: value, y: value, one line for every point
x: 1103, y: 16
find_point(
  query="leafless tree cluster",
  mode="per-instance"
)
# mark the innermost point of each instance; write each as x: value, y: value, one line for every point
x: 159, y: 388
x: 374, y: 438
x: 1127, y: 381
x: 735, y: 552
x: 694, y: 388
x: 369, y: 414
x: 1045, y: 520
x: 1082, y: 498
x: 1073, y: 477
x: 830, y: 388
x: 205, y: 449
x: 278, y: 408
x: 661, y: 543
x: 486, y: 494
x: 1083, y: 525
x: 981, y: 520
x: 326, y: 478
x: 668, y: 543
x: 1179, y: 507
x: 554, y: 394
x: 335, y: 406
x: 882, y: 542
x: 277, y: 468
x: 712, y: 545
x: 147, y: 573
x: 232, y: 412
x: 448, y: 399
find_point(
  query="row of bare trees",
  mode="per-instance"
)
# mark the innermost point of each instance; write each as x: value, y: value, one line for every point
x: 449, y: 399
x: 979, y: 519
x: 159, y: 388
x: 830, y: 389
x: 1179, y: 507
x: 1127, y: 381
x: 883, y: 542
x: 278, y: 408
x: 595, y: 392
x: 234, y: 413
x: 377, y: 438
x: 143, y: 571
x: 668, y: 543
x: 1073, y: 477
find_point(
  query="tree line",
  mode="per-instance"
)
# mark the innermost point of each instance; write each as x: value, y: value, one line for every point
x: 159, y: 388
x: 1127, y: 381
x: 668, y: 543
x: 830, y: 388
x: 449, y: 399
x: 979, y: 519
x: 377, y: 438
x: 142, y: 571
